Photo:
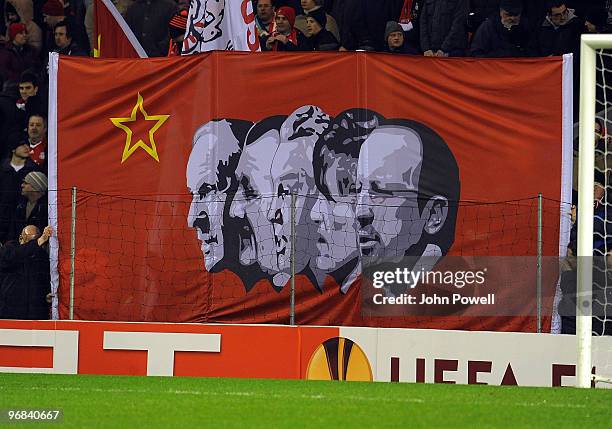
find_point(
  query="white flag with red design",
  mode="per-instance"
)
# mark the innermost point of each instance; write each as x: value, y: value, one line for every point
x: 220, y: 25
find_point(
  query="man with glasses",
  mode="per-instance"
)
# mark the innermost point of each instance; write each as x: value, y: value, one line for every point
x: 264, y: 19
x: 560, y: 31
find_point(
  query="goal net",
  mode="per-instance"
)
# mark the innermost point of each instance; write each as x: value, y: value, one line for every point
x: 594, y: 227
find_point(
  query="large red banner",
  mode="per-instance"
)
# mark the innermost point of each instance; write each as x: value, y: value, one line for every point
x: 184, y: 166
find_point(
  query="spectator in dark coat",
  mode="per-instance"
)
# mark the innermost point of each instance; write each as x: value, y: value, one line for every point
x: 560, y: 32
x: 31, y: 100
x: 149, y: 21
x: 319, y: 37
x: 443, y: 27
x: 595, y: 20
x: 535, y: 11
x: 32, y: 208
x: 351, y: 18
x: 65, y: 44
x: 10, y: 120
x: 310, y: 6
x: 378, y: 13
x: 479, y: 11
x: 13, y: 171
x: 25, y: 290
x: 395, y: 40
x: 582, y: 6
x: 505, y: 34
x: 362, y: 22
x: 17, y: 56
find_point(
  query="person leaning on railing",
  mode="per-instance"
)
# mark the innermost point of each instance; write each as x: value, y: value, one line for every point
x: 25, y: 282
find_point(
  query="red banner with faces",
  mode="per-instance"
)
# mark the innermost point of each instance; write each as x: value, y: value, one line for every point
x: 204, y: 182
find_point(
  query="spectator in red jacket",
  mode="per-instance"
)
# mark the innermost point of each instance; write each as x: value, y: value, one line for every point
x: 37, y: 139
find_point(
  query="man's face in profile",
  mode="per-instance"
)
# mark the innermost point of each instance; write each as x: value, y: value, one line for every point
x: 206, y: 210
x: 293, y: 173
x: 388, y: 216
x: 208, y: 194
x: 335, y: 216
x: 252, y: 201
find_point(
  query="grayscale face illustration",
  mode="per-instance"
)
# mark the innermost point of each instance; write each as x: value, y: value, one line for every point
x: 388, y: 215
x: 253, y: 199
x: 213, y: 145
x: 292, y: 173
x: 335, y: 216
x: 366, y: 190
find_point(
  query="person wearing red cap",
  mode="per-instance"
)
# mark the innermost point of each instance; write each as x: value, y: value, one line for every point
x: 25, y: 12
x: 285, y: 37
x: 17, y: 56
x: 55, y: 9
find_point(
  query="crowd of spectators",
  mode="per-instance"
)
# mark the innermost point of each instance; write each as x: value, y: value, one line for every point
x: 440, y: 28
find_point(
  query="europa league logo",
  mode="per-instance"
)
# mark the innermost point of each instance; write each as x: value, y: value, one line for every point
x: 339, y: 359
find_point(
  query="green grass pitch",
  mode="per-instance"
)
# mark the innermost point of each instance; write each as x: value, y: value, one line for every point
x: 183, y: 402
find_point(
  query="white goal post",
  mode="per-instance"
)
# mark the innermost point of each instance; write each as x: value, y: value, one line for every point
x: 586, y: 155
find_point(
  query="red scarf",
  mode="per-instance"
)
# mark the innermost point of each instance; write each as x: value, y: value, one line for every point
x: 406, y: 15
x: 267, y: 29
x: 173, y: 49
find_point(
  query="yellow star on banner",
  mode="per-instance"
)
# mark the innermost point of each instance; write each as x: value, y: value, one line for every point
x: 130, y: 148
